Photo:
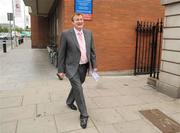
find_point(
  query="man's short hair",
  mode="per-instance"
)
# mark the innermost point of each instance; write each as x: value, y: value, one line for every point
x: 76, y: 14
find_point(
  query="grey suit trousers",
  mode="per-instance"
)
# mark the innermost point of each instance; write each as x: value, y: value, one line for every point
x: 76, y: 93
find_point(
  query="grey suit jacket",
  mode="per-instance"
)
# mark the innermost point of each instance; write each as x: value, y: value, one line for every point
x: 69, y: 52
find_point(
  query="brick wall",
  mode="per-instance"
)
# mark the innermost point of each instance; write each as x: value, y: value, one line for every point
x: 60, y: 20
x: 113, y: 25
x: 40, y: 31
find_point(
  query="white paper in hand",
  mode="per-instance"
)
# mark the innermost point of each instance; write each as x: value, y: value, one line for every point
x: 95, y: 75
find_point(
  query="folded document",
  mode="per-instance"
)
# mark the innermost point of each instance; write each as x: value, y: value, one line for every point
x: 95, y: 75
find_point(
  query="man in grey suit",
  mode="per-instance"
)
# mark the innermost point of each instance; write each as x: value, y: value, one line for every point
x: 76, y: 55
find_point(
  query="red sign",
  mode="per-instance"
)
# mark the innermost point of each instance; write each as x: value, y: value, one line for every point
x: 87, y: 16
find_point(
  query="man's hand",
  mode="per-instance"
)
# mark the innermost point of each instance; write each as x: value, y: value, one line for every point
x: 60, y: 75
x: 95, y: 69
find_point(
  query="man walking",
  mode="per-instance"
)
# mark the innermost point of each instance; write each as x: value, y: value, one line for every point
x: 76, y: 55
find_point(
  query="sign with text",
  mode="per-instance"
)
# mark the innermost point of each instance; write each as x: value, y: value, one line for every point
x: 84, y: 7
x: 10, y: 16
x: 17, y: 8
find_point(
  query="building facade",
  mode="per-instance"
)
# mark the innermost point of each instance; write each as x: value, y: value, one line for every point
x: 113, y: 25
x: 169, y: 79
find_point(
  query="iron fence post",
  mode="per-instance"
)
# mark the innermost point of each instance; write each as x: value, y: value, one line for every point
x: 4, y: 46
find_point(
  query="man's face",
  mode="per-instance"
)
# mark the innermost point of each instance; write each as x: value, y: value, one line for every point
x: 78, y: 22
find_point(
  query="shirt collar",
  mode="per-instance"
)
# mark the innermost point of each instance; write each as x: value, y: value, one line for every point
x: 76, y: 31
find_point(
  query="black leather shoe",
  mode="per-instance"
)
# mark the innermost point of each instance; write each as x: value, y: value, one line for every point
x: 83, y: 121
x: 72, y: 106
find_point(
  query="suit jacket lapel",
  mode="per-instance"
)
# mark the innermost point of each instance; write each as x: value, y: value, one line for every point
x: 86, y: 38
x: 74, y: 38
x: 86, y: 41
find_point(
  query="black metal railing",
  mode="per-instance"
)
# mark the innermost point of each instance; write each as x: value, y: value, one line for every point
x: 53, y: 53
x: 148, y: 48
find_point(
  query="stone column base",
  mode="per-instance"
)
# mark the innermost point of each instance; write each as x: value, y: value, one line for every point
x: 164, y: 88
x: 152, y: 81
x: 168, y: 89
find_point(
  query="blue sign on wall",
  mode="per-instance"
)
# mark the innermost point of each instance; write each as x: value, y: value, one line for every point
x: 83, y: 6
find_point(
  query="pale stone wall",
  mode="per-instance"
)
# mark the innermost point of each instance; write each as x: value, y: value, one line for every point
x: 163, y: 2
x: 169, y: 79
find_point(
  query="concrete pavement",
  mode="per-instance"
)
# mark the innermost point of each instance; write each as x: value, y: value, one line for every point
x: 32, y: 99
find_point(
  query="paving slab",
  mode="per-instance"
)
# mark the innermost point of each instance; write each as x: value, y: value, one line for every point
x: 106, y: 102
x: 87, y: 130
x: 41, y: 97
x: 52, y: 108
x: 9, y: 127
x: 130, y: 113
x: 137, y: 126
x: 17, y: 113
x: 107, y: 129
x: 105, y: 116
x: 32, y: 99
x: 91, y: 103
x: 11, y: 93
x: 37, y: 125
x: 6, y: 102
x: 176, y: 117
x: 70, y: 121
